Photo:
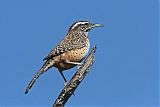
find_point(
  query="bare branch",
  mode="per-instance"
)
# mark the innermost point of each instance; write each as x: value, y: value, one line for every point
x: 76, y: 80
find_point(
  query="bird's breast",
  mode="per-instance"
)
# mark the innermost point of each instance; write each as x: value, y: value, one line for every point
x: 76, y: 55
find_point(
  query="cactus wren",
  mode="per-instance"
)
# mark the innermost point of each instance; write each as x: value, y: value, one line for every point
x: 69, y: 52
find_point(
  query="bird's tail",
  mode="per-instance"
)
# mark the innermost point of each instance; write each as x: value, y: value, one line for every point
x: 48, y: 64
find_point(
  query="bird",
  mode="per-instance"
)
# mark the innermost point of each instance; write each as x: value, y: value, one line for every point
x: 70, y: 52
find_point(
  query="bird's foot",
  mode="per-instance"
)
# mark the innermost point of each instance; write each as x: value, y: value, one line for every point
x: 65, y: 83
x: 79, y: 66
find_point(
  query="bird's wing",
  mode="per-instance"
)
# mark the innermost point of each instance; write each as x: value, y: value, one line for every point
x: 67, y: 44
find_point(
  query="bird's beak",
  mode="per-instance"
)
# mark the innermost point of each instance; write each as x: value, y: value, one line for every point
x: 97, y: 25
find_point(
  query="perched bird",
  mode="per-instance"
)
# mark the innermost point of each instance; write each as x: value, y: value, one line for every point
x: 69, y: 52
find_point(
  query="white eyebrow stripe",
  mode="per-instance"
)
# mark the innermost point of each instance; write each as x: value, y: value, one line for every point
x: 78, y: 24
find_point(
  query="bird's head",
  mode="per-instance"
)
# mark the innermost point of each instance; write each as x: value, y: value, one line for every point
x: 84, y: 26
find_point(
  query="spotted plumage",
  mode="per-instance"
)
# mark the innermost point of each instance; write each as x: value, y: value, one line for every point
x: 69, y: 52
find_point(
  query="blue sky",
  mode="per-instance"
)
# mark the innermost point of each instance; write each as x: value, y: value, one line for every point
x: 125, y: 72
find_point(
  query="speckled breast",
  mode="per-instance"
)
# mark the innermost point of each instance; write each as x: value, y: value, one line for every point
x: 76, y: 55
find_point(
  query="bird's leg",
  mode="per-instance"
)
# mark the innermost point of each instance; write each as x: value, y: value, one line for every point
x: 65, y: 80
x: 75, y: 63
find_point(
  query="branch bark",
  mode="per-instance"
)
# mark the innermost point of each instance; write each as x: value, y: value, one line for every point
x: 76, y: 80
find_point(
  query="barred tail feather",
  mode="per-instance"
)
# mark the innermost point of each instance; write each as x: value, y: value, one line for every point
x: 33, y: 80
x: 44, y: 68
